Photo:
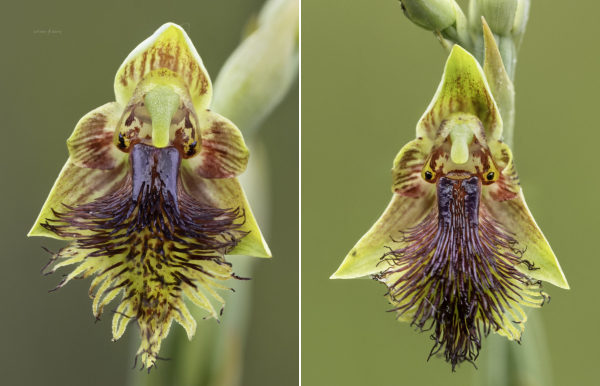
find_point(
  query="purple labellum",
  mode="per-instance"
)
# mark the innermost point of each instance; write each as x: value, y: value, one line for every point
x: 155, y: 170
x: 457, y: 272
x: 153, y: 241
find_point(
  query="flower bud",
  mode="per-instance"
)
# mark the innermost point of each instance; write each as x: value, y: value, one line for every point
x: 430, y: 14
x: 521, y: 17
x: 507, y: 20
x: 504, y: 17
x: 444, y: 17
x: 499, y: 14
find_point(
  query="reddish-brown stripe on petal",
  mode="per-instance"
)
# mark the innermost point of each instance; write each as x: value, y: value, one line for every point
x: 406, y: 173
x: 224, y: 153
x: 171, y: 49
x: 91, y: 145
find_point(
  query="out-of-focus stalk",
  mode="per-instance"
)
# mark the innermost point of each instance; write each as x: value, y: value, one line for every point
x: 252, y: 82
x: 261, y: 70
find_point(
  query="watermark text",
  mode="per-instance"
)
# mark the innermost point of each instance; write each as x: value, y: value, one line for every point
x: 47, y: 31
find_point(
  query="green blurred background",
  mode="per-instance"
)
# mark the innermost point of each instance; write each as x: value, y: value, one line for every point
x: 48, y: 82
x: 368, y: 75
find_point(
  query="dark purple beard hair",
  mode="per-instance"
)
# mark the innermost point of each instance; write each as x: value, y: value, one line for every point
x: 457, y: 271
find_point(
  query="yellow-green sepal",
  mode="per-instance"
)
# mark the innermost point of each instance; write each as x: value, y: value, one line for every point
x: 227, y: 193
x: 402, y: 213
x: 77, y: 185
x: 463, y: 89
x: 515, y: 216
x: 169, y: 47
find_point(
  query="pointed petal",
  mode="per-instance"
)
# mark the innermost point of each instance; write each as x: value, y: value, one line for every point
x: 91, y: 144
x: 516, y: 218
x: 169, y: 47
x: 401, y: 214
x: 224, y: 153
x: 226, y: 193
x: 406, y: 173
x: 508, y: 185
x: 463, y: 89
x: 500, y: 84
x: 76, y: 185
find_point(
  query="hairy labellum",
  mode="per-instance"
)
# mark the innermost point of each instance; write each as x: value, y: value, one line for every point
x: 456, y: 274
x: 152, y: 241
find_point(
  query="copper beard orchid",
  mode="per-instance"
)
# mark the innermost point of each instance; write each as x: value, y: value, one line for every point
x: 457, y: 247
x: 149, y: 196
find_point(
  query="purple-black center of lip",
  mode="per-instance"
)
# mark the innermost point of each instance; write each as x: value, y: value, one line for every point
x: 155, y: 169
x: 472, y: 194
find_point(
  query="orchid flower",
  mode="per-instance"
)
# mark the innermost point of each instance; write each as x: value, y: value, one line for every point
x: 149, y: 198
x: 457, y: 246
